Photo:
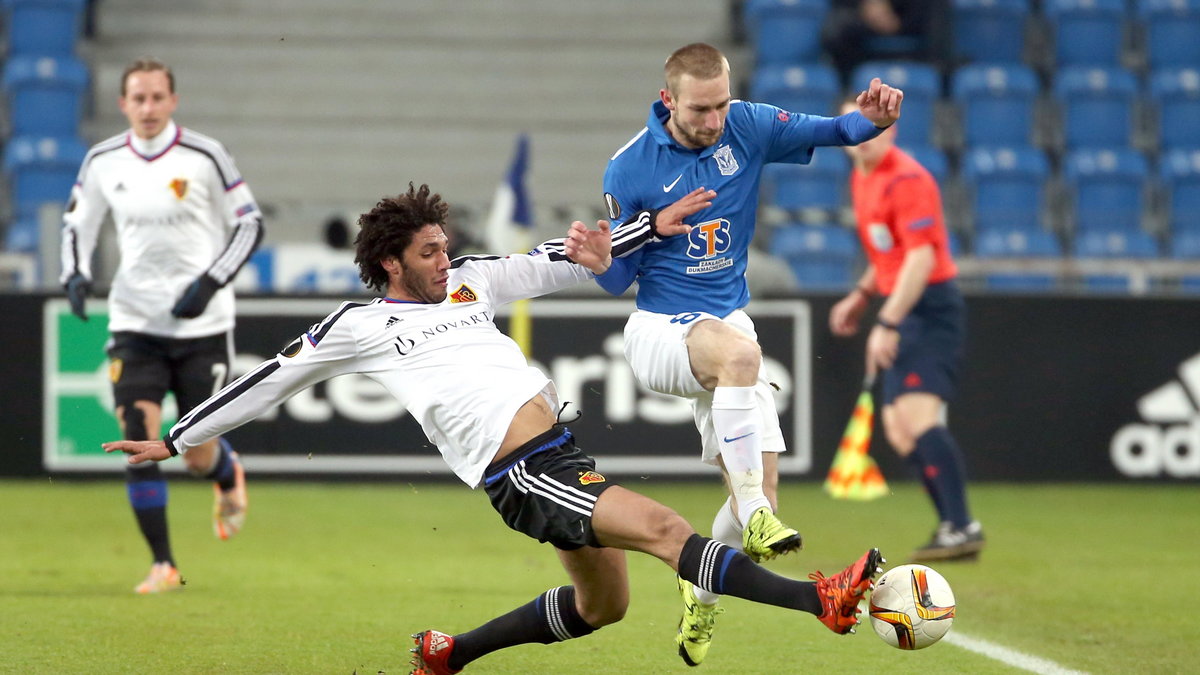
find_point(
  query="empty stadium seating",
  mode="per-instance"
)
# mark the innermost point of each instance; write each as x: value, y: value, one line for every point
x: 997, y: 103
x: 1097, y: 105
x: 810, y: 88
x: 989, y: 30
x: 45, y: 94
x: 41, y: 170
x: 1086, y: 32
x: 822, y: 257
x: 820, y: 184
x: 1018, y: 244
x: 785, y: 31
x: 1171, y: 30
x: 1176, y: 94
x: 1130, y: 244
x: 1180, y: 173
x: 1107, y: 188
x: 43, y: 27
x: 1007, y: 188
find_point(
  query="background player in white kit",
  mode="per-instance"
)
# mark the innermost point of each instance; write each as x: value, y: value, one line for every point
x: 185, y: 223
x: 433, y: 344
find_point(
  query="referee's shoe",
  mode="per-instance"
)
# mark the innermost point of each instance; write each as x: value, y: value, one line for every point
x: 952, y: 543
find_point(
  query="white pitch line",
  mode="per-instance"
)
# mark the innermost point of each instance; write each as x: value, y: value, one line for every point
x: 1010, y: 657
x: 1005, y: 655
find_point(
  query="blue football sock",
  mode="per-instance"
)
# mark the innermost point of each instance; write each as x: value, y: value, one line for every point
x: 147, y: 490
x: 223, y: 472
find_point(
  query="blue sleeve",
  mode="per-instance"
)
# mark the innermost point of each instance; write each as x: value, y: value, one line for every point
x: 620, y: 274
x: 849, y: 129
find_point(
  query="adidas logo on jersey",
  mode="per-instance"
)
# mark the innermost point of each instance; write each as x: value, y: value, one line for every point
x: 1168, y: 441
x: 392, y: 321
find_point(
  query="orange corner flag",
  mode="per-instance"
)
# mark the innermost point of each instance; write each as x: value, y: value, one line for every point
x: 854, y: 474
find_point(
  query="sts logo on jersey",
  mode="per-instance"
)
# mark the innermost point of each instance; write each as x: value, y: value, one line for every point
x: 707, y: 240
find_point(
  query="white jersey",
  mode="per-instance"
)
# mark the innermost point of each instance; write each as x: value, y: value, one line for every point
x: 180, y: 209
x: 456, y: 373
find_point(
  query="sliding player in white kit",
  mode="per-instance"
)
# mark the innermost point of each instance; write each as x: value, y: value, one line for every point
x: 186, y: 223
x: 432, y: 342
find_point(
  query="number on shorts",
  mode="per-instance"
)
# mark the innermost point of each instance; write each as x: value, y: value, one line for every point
x: 685, y: 318
x: 219, y: 372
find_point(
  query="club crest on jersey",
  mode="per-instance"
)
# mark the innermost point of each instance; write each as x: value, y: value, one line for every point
x: 114, y: 370
x: 589, y: 477
x: 463, y: 294
x: 179, y: 186
x: 726, y: 163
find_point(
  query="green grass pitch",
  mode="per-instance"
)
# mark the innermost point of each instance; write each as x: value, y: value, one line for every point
x: 332, y: 578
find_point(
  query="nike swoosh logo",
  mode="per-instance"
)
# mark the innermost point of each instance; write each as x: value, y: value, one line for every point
x: 668, y: 188
x: 738, y: 438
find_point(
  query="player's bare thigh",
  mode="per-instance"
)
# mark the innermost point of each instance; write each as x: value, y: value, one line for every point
x: 722, y: 355
x: 601, y: 580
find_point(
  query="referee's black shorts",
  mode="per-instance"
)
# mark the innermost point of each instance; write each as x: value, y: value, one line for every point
x: 547, y: 489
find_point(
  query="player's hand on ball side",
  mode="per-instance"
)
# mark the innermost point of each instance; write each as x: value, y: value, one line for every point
x: 139, y: 451
x: 669, y: 221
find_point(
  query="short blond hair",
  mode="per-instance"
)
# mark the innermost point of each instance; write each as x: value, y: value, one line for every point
x: 701, y: 61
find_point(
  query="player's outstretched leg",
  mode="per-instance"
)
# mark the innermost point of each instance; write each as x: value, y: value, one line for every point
x: 841, y: 593
x: 431, y: 653
x: 229, y: 492
x: 695, y: 626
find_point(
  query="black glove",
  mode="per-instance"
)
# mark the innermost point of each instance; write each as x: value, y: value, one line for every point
x: 78, y: 287
x: 195, y: 297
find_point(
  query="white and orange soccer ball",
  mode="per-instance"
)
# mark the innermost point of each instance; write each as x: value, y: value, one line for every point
x: 912, y: 607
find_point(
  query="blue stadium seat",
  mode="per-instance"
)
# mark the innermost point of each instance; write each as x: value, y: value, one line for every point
x: 811, y: 88
x: 1107, y: 188
x: 41, y: 170
x: 43, y: 27
x: 1185, y: 245
x: 823, y: 257
x: 997, y: 103
x: 1007, y: 188
x: 931, y: 158
x: 1176, y: 92
x: 1133, y: 244
x: 820, y: 184
x: 45, y: 94
x: 22, y: 236
x: 1097, y: 105
x: 1181, y: 178
x: 989, y: 30
x: 1018, y: 244
x: 1171, y: 30
x: 1086, y: 32
x: 785, y: 31
x: 922, y: 85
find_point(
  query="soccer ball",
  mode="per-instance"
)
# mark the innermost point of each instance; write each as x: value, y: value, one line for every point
x: 912, y: 607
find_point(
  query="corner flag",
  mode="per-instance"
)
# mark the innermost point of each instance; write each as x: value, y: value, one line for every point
x: 507, y: 231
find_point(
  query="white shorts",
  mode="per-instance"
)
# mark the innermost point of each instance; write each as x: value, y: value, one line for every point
x: 655, y: 349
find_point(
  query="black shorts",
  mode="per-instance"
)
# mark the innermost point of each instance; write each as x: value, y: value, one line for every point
x: 931, y: 346
x: 547, y: 489
x: 145, y: 367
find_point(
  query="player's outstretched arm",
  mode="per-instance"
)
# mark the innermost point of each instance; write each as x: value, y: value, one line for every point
x: 139, y: 451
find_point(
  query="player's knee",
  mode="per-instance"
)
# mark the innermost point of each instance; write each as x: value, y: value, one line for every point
x: 898, y: 436
x: 605, y: 610
x: 133, y: 421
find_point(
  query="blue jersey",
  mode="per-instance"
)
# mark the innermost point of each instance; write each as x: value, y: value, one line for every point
x: 705, y: 269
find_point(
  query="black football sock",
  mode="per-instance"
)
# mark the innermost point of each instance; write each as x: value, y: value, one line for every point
x: 940, y: 453
x: 147, y: 490
x: 720, y: 569
x: 551, y: 617
x: 926, y: 473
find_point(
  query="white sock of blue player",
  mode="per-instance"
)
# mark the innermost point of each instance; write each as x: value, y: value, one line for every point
x: 738, y: 425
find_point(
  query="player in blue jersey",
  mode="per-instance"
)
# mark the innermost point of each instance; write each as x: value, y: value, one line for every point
x: 689, y: 336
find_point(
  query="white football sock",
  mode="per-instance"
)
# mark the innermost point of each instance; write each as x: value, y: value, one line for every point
x: 738, y: 425
x: 727, y: 530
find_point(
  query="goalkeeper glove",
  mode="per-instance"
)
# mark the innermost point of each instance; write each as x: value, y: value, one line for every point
x: 195, y: 297
x: 78, y: 287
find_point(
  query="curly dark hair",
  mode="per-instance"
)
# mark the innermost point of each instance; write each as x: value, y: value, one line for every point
x: 388, y: 229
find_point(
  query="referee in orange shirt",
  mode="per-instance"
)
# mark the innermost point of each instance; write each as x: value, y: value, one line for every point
x: 917, y: 339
